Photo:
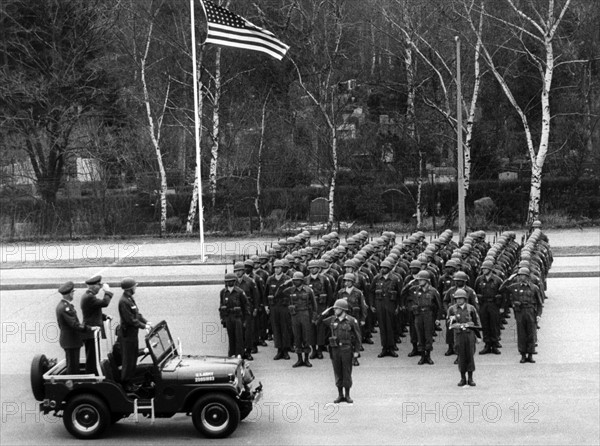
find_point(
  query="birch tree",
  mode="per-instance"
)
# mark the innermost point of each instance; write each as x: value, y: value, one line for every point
x: 532, y: 29
x: 155, y: 121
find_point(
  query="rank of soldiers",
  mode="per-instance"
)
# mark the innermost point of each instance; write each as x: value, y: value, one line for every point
x: 295, y: 293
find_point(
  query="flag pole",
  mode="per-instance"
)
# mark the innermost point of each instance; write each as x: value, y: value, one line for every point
x: 197, y: 132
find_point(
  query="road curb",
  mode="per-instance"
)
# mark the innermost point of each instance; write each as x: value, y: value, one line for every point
x: 174, y: 282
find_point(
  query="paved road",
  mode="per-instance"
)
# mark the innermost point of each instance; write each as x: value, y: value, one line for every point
x: 555, y: 401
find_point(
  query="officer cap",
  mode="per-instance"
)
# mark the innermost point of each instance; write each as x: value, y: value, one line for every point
x: 460, y: 275
x: 238, y: 266
x: 277, y: 263
x: 523, y: 271
x: 386, y: 264
x: 66, y: 287
x: 341, y: 304
x: 229, y: 277
x: 249, y: 262
x: 415, y: 264
x: 93, y: 280
x: 350, y: 276
x: 314, y: 264
x: 128, y: 283
x: 423, y: 275
x: 487, y: 264
x: 460, y: 293
x: 298, y: 276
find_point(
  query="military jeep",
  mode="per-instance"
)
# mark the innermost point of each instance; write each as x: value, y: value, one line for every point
x: 215, y: 391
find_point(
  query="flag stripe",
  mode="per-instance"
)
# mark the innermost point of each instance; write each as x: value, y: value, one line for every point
x: 246, y: 46
x: 215, y: 37
x: 215, y: 28
x: 228, y: 29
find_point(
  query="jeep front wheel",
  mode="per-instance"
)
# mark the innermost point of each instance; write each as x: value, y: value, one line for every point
x: 86, y: 416
x: 215, y: 415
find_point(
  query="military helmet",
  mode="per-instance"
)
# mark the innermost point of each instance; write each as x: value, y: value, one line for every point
x: 451, y: 264
x: 523, y: 272
x: 460, y: 275
x: 460, y: 293
x: 341, y: 304
x: 536, y: 224
x: 350, y: 276
x: 487, y: 264
x: 314, y: 264
x: 278, y: 263
x: 423, y: 275
x: 230, y: 277
x: 350, y: 262
x: 249, y: 262
x: 386, y: 264
x: 415, y: 264
x: 298, y: 276
x: 238, y: 265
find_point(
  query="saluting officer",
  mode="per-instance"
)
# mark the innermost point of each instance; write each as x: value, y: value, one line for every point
x: 91, y: 308
x: 424, y: 302
x: 356, y: 303
x: 70, y: 328
x: 233, y: 308
x: 131, y: 322
x: 464, y: 322
x: 302, y: 307
x: 344, y: 345
x: 526, y: 300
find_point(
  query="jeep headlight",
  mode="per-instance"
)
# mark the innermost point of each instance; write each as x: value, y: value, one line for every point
x: 247, y: 375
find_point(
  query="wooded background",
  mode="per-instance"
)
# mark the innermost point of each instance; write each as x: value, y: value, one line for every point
x: 362, y: 111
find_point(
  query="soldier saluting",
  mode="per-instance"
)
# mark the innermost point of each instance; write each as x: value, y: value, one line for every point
x: 344, y: 345
x: 91, y: 308
x: 70, y: 328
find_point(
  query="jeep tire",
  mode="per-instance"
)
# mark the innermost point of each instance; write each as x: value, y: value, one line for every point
x: 216, y: 415
x: 86, y: 416
x: 39, y: 366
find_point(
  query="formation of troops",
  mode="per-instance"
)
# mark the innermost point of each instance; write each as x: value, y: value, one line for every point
x: 332, y: 295
x: 402, y: 289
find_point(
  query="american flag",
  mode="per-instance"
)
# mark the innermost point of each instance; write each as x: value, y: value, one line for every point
x: 228, y: 29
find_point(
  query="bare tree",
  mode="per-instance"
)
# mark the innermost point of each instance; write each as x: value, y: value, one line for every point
x: 533, y: 29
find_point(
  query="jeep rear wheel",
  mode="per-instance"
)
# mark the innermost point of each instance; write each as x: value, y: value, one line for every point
x: 216, y: 415
x: 86, y: 416
x: 39, y: 366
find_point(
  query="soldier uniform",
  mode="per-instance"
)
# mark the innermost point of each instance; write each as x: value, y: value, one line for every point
x: 91, y: 308
x: 233, y: 308
x: 487, y: 287
x: 281, y: 321
x: 302, y: 306
x: 464, y: 322
x: 424, y: 302
x: 131, y: 322
x: 386, y: 292
x: 320, y: 286
x: 526, y: 300
x: 70, y: 328
x: 344, y: 345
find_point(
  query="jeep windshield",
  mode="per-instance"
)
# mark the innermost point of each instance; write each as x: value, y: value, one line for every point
x: 160, y: 343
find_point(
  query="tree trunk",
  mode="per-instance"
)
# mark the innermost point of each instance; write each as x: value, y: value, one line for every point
x: 258, y: 172
x: 333, y: 179
x: 535, y: 193
x: 214, y: 151
x: 420, y: 191
x: 195, y: 194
